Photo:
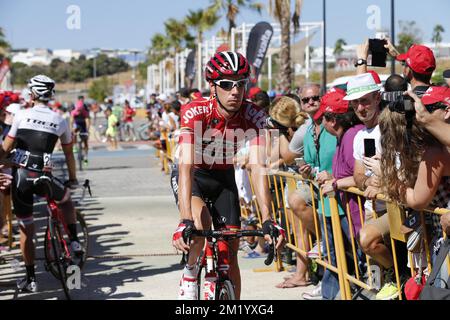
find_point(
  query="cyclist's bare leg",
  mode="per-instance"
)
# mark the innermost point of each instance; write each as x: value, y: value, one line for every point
x: 70, y: 218
x: 202, y: 221
x: 235, y: 272
x: 26, y: 243
x: 75, y: 137
x: 86, y: 147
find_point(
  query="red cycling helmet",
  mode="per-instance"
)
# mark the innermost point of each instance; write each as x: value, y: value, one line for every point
x: 226, y: 63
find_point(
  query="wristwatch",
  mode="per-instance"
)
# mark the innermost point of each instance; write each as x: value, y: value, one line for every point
x: 334, y: 185
x: 360, y: 62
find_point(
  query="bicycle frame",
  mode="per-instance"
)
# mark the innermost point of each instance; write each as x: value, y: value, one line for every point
x: 55, y: 214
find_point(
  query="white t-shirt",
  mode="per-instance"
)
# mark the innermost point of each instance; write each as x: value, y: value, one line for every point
x: 358, y: 154
x: 175, y: 119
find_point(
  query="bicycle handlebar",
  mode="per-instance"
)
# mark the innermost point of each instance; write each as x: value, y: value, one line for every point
x: 228, y: 234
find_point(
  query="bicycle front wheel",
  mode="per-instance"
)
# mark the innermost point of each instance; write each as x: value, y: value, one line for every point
x: 225, y: 291
x: 56, y: 254
x: 144, y: 133
x: 83, y: 237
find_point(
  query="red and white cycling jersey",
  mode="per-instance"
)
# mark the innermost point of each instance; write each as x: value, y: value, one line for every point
x: 217, y: 140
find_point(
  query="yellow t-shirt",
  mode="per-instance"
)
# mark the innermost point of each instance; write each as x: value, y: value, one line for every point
x: 112, y: 128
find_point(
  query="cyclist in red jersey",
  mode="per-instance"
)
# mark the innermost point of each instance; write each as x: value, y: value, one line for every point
x: 212, y: 130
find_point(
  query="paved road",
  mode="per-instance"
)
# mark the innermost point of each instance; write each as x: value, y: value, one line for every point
x: 131, y: 218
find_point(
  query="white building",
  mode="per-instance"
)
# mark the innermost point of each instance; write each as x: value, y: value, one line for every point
x: 317, y: 58
x: 66, y: 54
x: 34, y: 57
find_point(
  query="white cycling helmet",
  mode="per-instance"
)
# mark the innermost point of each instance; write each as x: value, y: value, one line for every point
x: 42, y: 87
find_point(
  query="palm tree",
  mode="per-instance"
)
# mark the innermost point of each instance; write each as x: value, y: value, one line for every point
x: 4, y: 45
x: 177, y: 34
x: 232, y: 8
x: 281, y: 10
x: 437, y: 37
x: 159, y: 48
x: 338, y: 46
x: 201, y: 21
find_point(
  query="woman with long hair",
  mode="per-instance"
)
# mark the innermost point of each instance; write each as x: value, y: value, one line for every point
x: 415, y: 166
x: 287, y: 117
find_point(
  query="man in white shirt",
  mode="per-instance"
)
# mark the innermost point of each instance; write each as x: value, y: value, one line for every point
x: 364, y: 96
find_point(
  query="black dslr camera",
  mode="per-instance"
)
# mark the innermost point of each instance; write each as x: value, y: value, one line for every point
x: 398, y: 102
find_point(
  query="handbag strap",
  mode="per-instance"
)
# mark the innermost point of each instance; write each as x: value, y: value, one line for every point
x: 443, y: 252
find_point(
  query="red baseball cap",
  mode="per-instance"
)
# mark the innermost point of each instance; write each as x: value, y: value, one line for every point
x: 14, y: 97
x: 196, y: 96
x: 253, y: 91
x: 419, y: 58
x: 436, y: 94
x: 333, y: 101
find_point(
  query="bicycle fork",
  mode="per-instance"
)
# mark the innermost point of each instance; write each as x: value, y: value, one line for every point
x: 216, y: 269
x: 55, y: 216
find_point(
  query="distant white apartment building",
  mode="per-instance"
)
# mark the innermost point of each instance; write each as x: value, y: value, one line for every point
x: 33, y: 57
x: 66, y: 54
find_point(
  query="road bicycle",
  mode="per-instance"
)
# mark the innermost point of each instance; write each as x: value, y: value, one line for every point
x: 81, y: 154
x: 58, y: 256
x: 216, y: 282
x: 143, y: 131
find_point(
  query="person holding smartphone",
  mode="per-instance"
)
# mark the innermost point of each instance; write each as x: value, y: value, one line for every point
x: 341, y: 122
x: 364, y: 97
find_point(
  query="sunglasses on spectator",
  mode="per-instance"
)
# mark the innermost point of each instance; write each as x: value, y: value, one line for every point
x: 228, y: 85
x: 273, y: 124
x: 435, y: 106
x: 314, y: 98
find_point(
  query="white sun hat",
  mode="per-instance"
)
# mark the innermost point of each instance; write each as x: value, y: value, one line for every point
x: 360, y: 85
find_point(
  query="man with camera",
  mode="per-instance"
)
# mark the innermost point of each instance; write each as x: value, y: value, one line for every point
x: 418, y: 63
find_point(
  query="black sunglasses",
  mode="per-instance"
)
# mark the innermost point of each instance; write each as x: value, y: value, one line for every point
x: 315, y: 99
x: 228, y: 85
x: 273, y: 124
x: 435, y: 106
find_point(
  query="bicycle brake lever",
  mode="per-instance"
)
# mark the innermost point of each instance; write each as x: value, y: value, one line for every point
x: 271, y: 255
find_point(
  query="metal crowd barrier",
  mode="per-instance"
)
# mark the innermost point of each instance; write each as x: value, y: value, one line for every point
x: 346, y: 279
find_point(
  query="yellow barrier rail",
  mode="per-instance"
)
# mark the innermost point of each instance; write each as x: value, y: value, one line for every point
x: 396, y: 218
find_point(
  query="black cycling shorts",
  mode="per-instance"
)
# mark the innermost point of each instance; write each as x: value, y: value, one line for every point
x: 80, y: 126
x: 23, y: 191
x: 219, y: 188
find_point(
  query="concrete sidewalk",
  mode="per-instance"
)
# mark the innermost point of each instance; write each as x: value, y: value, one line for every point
x: 131, y: 218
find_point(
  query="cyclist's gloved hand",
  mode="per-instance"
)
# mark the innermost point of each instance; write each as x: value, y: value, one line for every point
x: 272, y: 229
x: 181, y: 233
x: 71, y: 184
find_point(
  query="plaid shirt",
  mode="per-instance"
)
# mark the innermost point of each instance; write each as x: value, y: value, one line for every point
x: 440, y: 200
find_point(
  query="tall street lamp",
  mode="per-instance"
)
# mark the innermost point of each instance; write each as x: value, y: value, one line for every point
x: 324, y: 74
x: 393, y: 33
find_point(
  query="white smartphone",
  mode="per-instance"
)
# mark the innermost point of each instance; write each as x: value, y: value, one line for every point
x: 300, y: 162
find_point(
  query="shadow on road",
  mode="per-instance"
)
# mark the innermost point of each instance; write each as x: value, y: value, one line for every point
x: 104, y: 273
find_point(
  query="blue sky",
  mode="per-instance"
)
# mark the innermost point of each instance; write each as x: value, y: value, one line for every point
x: 131, y: 23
